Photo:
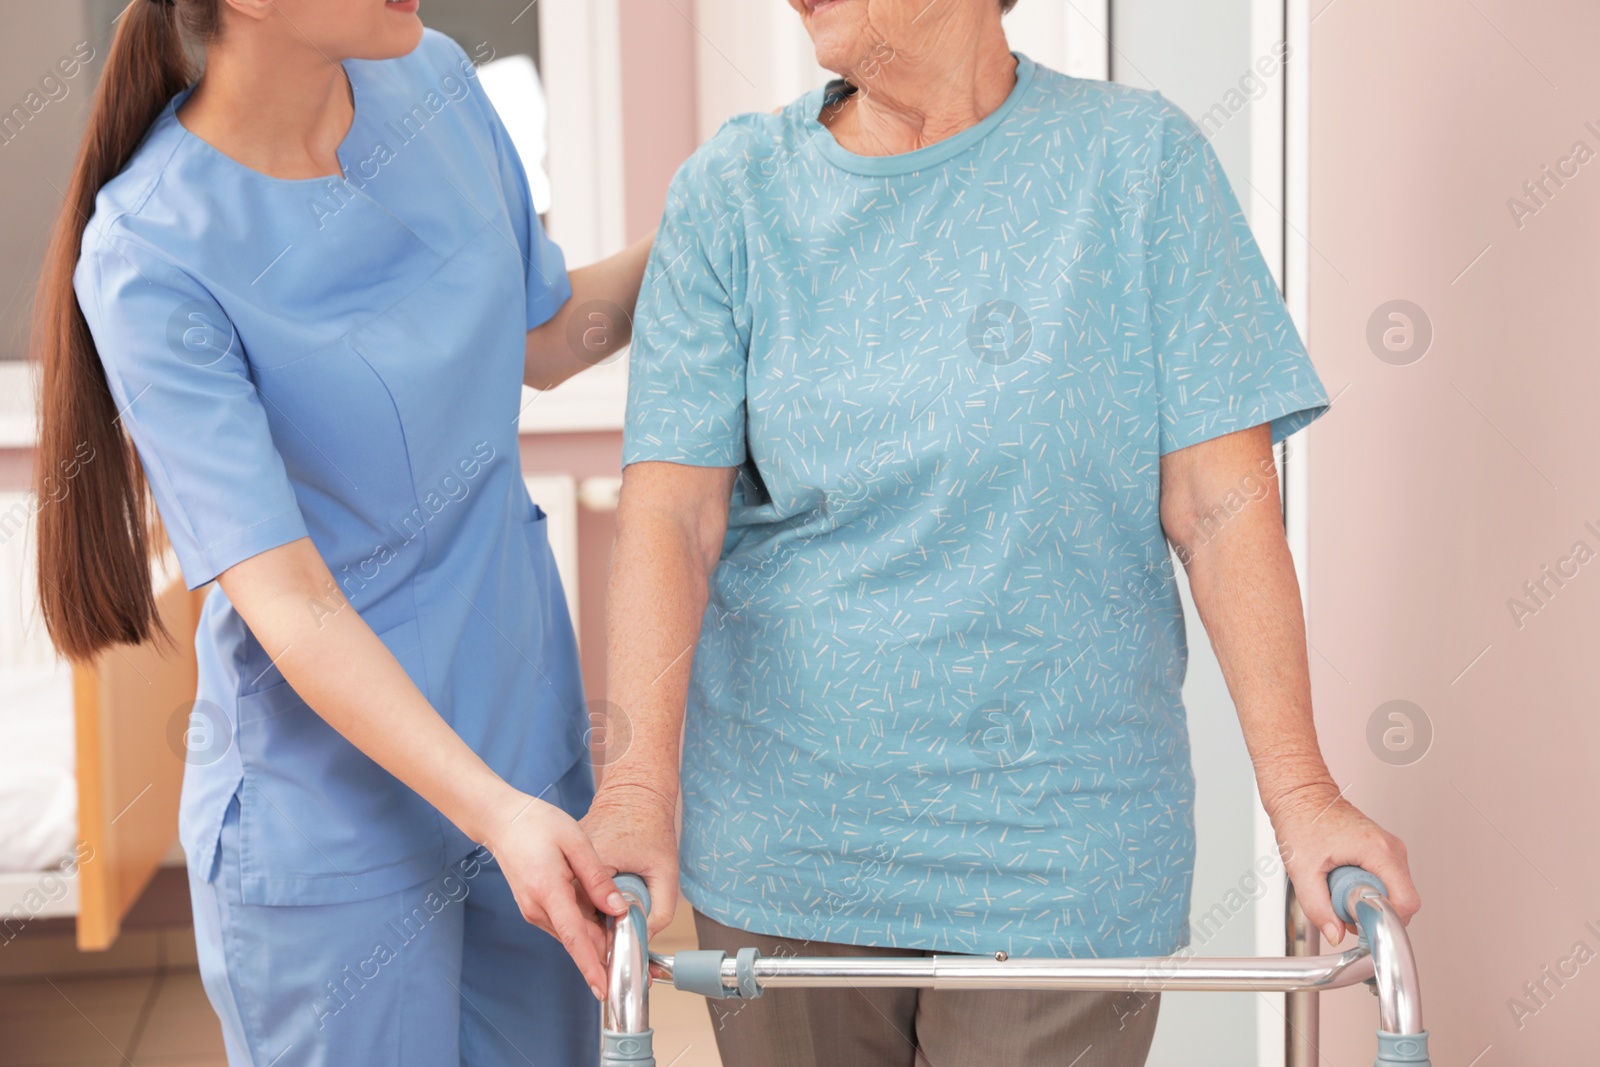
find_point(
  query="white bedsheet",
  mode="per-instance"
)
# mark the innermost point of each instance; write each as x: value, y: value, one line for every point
x: 38, y: 787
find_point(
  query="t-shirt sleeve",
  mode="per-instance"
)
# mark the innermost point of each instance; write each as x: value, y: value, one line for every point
x: 184, y: 394
x: 1227, y: 354
x: 544, y: 266
x: 686, y: 371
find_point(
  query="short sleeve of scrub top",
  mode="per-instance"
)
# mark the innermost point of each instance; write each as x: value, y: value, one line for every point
x: 184, y: 393
x: 1227, y: 354
x: 545, y: 273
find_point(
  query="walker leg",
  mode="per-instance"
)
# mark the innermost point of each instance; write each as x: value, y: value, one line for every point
x: 1402, y: 1039
x: 1301, y: 1014
x: 625, y: 1034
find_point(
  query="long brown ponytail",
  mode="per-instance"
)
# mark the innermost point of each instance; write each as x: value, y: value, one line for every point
x: 96, y: 526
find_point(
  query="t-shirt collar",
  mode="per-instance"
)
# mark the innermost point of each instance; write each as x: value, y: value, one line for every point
x: 922, y: 158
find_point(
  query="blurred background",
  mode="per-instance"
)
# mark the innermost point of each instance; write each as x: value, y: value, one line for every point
x: 1416, y: 176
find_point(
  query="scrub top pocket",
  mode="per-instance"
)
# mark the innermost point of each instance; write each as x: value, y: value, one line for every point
x: 536, y: 537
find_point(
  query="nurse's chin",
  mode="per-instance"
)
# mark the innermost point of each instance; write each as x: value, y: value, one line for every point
x: 397, y: 32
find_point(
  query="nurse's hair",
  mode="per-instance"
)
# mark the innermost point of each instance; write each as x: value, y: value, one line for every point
x: 96, y: 526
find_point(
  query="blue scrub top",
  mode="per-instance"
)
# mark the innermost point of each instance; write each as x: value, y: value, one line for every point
x: 343, y: 359
x: 937, y: 701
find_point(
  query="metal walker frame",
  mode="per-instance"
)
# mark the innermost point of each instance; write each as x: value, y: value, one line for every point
x: 1381, y: 957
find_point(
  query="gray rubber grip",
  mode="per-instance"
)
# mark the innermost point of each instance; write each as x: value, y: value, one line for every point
x: 1343, y: 879
x: 700, y: 971
x: 627, y: 1050
x: 745, y: 969
x: 633, y: 883
x: 1402, y: 1050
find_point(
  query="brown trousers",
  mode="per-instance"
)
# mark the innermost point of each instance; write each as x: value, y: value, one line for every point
x: 920, y: 1027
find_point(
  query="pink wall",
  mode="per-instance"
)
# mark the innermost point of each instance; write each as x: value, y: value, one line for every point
x: 16, y: 469
x: 658, y: 104
x: 1438, y: 488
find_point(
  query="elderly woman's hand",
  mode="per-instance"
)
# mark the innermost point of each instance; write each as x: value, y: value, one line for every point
x: 634, y: 830
x: 1319, y: 830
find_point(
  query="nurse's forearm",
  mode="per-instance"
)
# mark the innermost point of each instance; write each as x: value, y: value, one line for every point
x: 1220, y: 506
x: 595, y: 324
x: 670, y: 525
x: 335, y: 662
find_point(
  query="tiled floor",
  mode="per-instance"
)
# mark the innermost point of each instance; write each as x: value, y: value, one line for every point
x: 146, y: 1018
x: 159, y: 1017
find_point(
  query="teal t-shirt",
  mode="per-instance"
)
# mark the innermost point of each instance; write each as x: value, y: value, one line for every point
x: 936, y: 699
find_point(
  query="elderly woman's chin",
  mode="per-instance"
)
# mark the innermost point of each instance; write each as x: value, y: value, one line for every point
x: 841, y: 30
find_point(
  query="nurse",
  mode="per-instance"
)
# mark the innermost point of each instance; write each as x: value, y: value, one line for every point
x: 310, y: 287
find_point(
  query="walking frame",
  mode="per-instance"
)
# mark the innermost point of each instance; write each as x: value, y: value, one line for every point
x: 1381, y: 957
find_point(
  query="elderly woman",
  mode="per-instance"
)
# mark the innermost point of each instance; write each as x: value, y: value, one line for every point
x: 929, y: 369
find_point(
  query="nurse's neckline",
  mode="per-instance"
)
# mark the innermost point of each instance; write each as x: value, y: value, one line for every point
x: 339, y: 153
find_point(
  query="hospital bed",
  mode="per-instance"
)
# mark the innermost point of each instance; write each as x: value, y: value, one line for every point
x: 90, y: 762
x: 1381, y: 957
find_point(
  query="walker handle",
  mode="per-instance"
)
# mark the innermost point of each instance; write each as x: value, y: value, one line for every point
x: 632, y: 883
x: 1342, y: 880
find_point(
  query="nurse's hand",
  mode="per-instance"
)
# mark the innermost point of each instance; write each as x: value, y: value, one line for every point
x: 634, y: 828
x: 558, y: 879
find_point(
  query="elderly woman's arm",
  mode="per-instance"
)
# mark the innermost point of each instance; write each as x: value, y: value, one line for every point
x: 670, y: 525
x: 1244, y: 584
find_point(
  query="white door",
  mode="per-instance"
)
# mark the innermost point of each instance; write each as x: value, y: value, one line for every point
x: 1222, y: 62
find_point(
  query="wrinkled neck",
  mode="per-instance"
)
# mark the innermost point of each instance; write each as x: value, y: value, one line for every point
x: 910, y: 102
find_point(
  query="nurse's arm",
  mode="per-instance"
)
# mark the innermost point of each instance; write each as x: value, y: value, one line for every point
x: 670, y: 524
x: 594, y: 324
x: 1220, y: 509
x: 341, y: 669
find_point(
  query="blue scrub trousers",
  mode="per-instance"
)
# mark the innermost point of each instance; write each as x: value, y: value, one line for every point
x: 443, y: 972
